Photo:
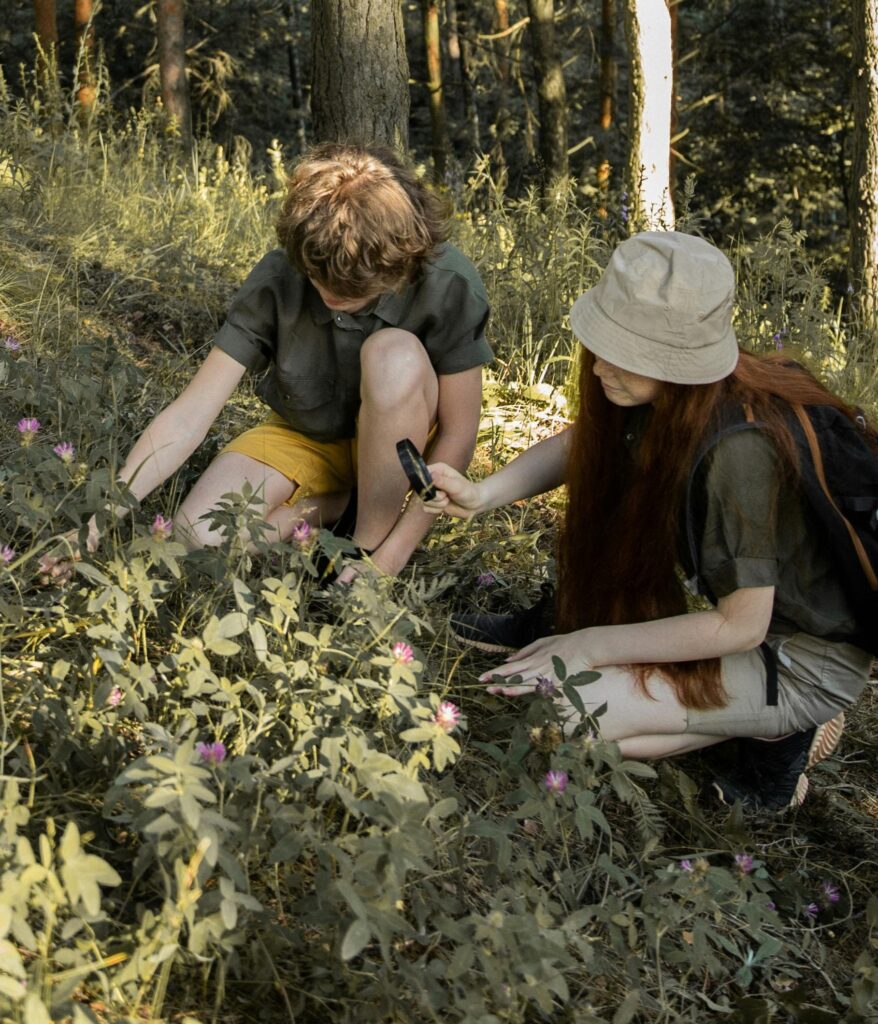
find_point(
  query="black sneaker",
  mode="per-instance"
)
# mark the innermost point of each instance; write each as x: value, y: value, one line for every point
x: 498, y: 634
x: 774, y: 778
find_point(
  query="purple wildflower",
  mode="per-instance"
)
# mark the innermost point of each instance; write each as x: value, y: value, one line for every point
x: 744, y: 862
x: 7, y: 553
x: 28, y: 427
x: 811, y: 911
x: 831, y: 893
x: 485, y: 579
x: 11, y: 344
x: 686, y: 865
x: 403, y: 654
x: 161, y: 528
x: 546, y: 687
x: 115, y: 698
x: 213, y: 753
x: 65, y: 451
x: 447, y: 716
x: 301, y: 533
x: 556, y: 781
x: 771, y: 905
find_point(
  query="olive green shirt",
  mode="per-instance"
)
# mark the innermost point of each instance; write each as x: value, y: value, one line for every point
x: 760, y: 532
x: 278, y: 322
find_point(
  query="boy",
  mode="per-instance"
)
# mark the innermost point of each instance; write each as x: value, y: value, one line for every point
x: 370, y: 328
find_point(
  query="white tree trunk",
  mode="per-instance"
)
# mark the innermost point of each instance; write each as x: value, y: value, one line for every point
x: 648, y: 29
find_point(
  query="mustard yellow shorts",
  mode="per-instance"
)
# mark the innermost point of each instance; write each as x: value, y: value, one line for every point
x: 318, y: 467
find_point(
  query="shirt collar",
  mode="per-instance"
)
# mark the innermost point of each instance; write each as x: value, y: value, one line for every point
x: 389, y: 307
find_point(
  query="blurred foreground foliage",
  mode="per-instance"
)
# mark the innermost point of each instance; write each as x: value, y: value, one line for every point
x: 224, y: 794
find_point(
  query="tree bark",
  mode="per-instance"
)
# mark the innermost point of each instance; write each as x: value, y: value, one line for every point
x: 172, y: 66
x: 607, y: 96
x: 863, y: 212
x: 83, y: 13
x: 550, y: 88
x: 648, y: 31
x: 359, y: 72
x: 433, y: 52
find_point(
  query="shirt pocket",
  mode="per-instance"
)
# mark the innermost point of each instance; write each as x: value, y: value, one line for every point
x: 304, y: 393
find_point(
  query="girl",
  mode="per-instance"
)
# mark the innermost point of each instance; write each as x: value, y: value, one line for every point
x: 661, y: 368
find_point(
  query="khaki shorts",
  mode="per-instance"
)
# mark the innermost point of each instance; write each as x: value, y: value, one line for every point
x: 816, y: 680
x: 317, y: 467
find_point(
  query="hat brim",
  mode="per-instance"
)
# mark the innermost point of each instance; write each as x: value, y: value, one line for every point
x: 642, y: 355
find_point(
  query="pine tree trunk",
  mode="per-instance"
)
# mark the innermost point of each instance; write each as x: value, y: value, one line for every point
x: 299, y: 105
x: 83, y: 13
x: 359, y: 72
x: 433, y: 53
x: 864, y: 177
x: 550, y: 88
x: 46, y: 27
x: 648, y: 31
x: 607, y: 96
x: 458, y: 52
x: 500, y: 128
x: 170, y: 28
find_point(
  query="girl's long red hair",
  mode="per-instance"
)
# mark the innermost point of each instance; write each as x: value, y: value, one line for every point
x: 618, y: 549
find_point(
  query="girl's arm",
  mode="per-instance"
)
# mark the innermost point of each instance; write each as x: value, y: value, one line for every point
x: 738, y: 623
x: 539, y: 469
x: 180, y: 427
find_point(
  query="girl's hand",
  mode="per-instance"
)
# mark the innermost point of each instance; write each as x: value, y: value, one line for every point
x: 535, y: 661
x: 457, y: 496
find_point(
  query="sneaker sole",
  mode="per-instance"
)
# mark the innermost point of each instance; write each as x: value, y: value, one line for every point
x: 482, y: 645
x: 826, y: 739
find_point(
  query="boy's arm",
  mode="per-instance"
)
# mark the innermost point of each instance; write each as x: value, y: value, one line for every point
x: 180, y: 427
x: 458, y: 412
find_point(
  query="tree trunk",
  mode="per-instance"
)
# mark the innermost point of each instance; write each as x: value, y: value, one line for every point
x: 433, y: 52
x: 46, y: 26
x: 500, y: 128
x: 673, y: 10
x: 864, y: 176
x: 458, y: 51
x: 607, y: 96
x: 293, y: 44
x: 648, y: 30
x: 359, y: 72
x: 83, y: 14
x: 172, y: 66
x: 550, y: 88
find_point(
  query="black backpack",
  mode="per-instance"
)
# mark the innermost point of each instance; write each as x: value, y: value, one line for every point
x: 839, y: 479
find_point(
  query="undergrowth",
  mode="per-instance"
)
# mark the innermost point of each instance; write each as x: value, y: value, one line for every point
x: 225, y: 795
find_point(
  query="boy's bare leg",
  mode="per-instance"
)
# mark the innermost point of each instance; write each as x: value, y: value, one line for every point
x: 228, y: 473
x: 400, y: 395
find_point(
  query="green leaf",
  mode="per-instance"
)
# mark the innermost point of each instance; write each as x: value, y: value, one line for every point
x: 628, y: 1008
x: 356, y: 937
x: 559, y: 668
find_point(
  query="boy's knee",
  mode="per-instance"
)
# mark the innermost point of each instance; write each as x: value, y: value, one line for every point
x: 394, y: 363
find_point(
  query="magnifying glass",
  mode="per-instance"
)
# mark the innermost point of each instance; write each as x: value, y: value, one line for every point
x: 416, y: 470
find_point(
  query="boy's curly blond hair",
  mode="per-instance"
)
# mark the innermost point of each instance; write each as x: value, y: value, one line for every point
x: 358, y: 221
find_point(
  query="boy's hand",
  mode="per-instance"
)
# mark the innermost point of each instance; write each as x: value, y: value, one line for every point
x: 456, y: 496
x: 57, y: 565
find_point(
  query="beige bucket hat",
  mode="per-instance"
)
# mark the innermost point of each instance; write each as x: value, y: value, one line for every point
x: 663, y: 309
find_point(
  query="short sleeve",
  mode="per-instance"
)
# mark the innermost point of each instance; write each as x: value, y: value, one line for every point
x: 739, y: 546
x: 457, y: 340
x: 249, y: 334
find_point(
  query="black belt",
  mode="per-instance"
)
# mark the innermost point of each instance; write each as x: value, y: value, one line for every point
x: 770, y: 659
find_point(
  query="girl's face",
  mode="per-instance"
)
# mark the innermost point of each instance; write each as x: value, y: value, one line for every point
x: 622, y: 387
